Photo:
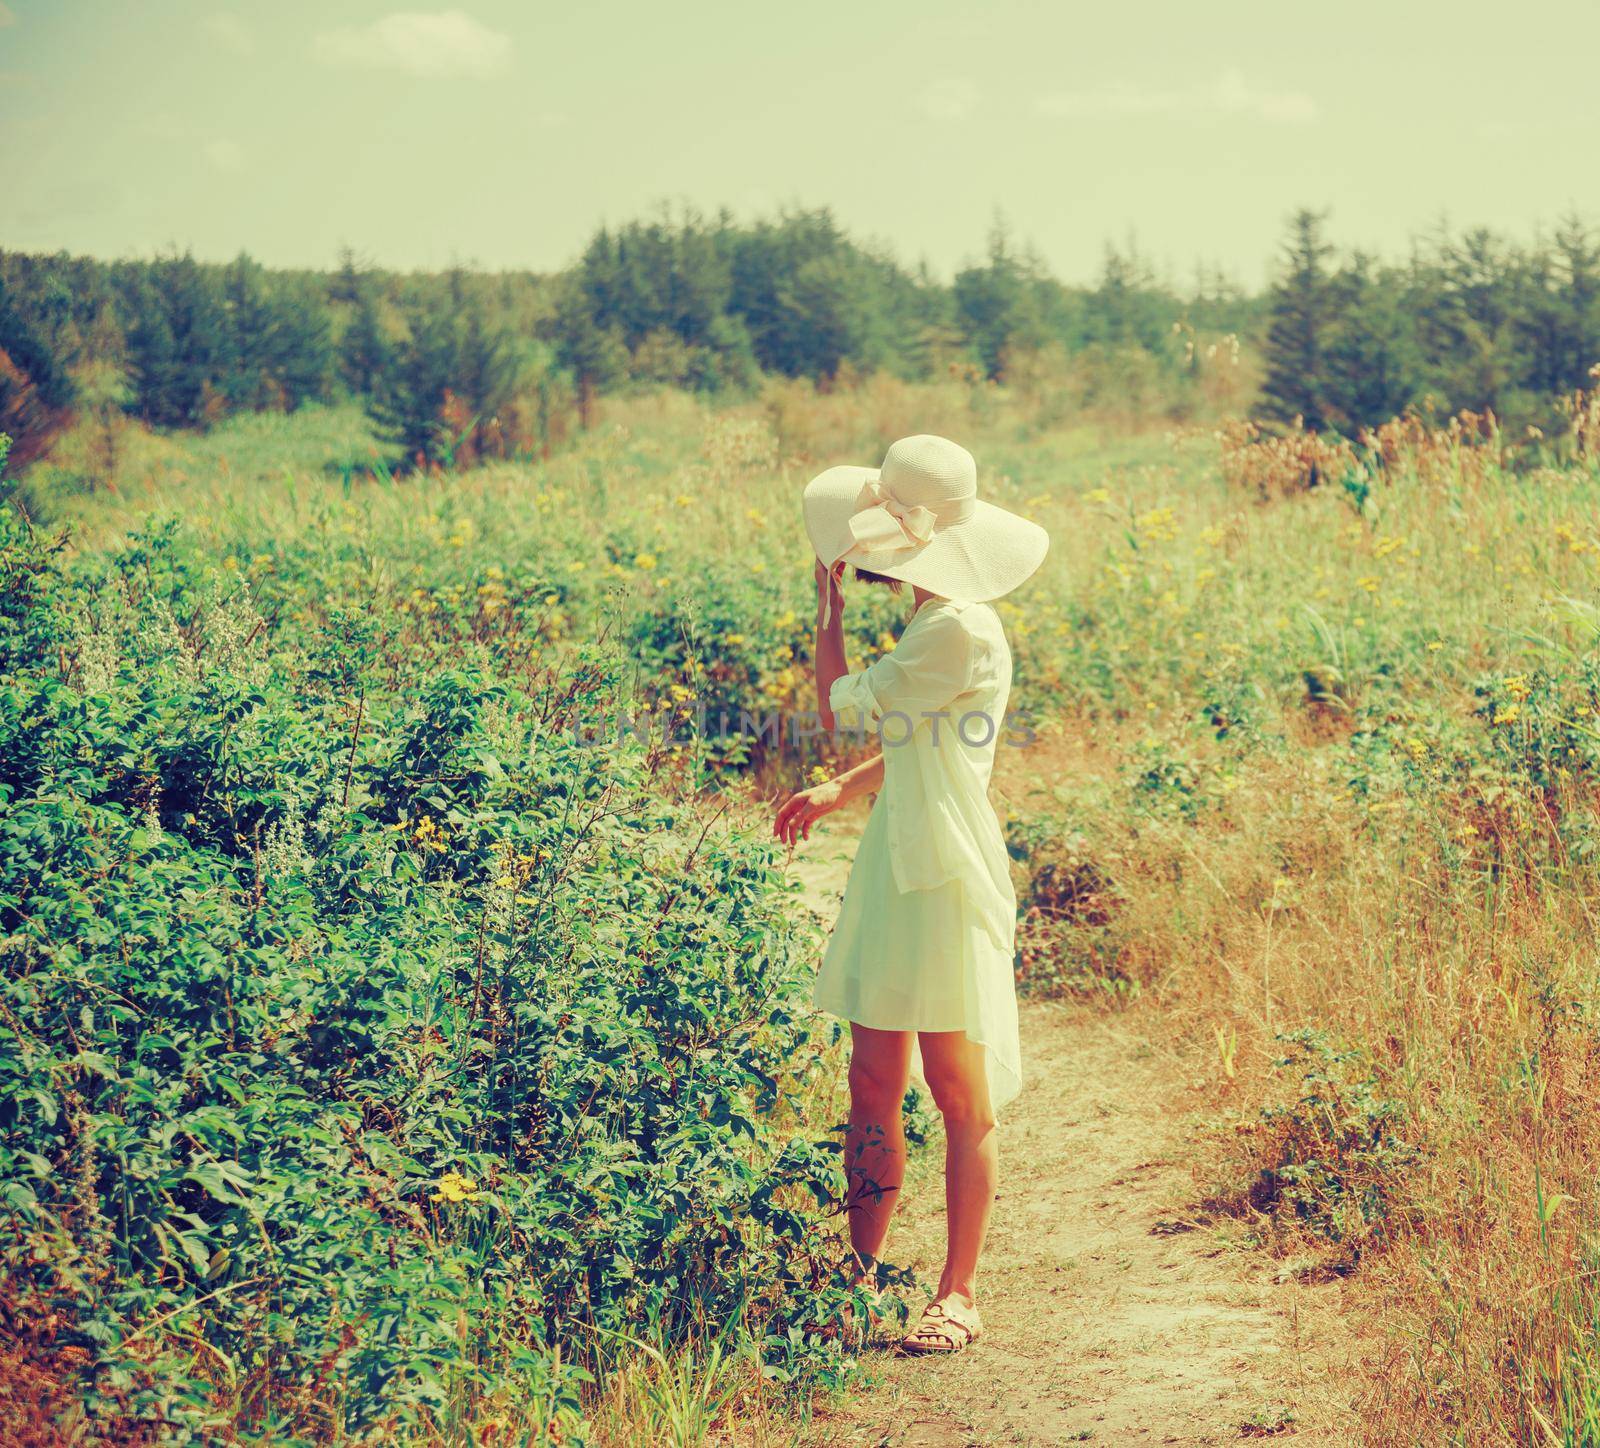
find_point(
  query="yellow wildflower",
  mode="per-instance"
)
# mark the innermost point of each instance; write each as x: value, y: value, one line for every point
x: 453, y: 1187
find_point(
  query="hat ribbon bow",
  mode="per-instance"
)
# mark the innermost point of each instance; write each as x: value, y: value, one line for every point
x: 882, y: 523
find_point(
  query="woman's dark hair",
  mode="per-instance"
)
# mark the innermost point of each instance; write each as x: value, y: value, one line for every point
x: 863, y: 576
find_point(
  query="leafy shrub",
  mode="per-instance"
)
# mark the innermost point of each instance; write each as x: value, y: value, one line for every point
x: 1167, y: 780
x: 1332, y: 1158
x: 1067, y: 906
x: 731, y: 661
x: 372, y: 1049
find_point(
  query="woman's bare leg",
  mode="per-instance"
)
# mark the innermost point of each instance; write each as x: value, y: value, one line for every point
x: 875, y: 1147
x: 956, y: 1074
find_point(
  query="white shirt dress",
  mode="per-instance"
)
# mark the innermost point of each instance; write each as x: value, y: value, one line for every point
x: 925, y: 936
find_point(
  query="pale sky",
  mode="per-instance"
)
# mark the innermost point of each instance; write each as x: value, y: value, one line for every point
x: 501, y: 132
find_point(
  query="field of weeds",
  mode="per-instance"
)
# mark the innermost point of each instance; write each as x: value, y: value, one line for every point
x: 384, y: 1059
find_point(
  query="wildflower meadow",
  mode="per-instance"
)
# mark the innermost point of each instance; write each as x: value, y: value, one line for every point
x: 381, y: 1060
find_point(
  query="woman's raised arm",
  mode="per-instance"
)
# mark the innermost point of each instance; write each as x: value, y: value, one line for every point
x: 829, y: 653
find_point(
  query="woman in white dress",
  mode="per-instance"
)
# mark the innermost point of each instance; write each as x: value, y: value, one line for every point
x: 922, y: 950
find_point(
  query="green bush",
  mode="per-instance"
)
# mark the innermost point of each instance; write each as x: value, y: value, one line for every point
x: 1337, y: 1152
x: 371, y: 1050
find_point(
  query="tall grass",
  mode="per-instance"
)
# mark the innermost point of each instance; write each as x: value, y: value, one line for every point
x: 1335, y: 818
x: 1319, y: 793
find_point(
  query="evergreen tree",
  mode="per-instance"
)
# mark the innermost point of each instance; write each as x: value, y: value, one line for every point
x: 999, y: 305
x: 251, y: 346
x: 1372, y: 371
x: 1466, y: 290
x: 35, y: 392
x: 595, y: 355
x: 349, y: 281
x: 302, y: 359
x: 410, y: 411
x: 180, y: 343
x: 1128, y: 308
x: 1558, y: 318
x: 365, y: 352
x: 152, y: 351
x: 1301, y: 316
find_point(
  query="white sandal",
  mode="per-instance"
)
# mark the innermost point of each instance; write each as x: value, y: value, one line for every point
x: 941, y: 1330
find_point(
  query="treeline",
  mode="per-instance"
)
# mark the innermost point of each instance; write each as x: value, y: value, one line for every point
x: 1466, y: 322
x: 459, y: 365
x: 467, y: 364
x: 179, y: 343
x: 712, y: 304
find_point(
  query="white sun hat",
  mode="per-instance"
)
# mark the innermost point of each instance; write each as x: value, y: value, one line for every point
x: 919, y: 518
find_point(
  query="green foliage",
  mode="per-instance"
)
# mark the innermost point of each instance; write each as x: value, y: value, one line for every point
x: 711, y: 305
x: 1001, y: 304
x: 1067, y: 940
x: 1469, y: 323
x: 1338, y: 1150
x: 1302, y: 305
x: 372, y: 1048
x: 35, y: 390
x: 723, y: 663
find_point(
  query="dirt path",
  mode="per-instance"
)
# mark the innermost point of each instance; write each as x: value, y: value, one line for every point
x: 1113, y: 1317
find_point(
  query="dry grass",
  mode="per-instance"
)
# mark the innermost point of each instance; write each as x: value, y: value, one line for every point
x: 1349, y: 812
x: 1320, y: 766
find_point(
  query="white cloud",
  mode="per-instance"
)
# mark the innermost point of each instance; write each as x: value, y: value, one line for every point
x: 1228, y: 95
x: 8, y: 16
x: 951, y: 99
x: 224, y: 155
x: 231, y: 32
x: 436, y: 43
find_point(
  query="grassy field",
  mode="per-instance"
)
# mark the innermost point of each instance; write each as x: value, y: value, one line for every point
x: 331, y: 958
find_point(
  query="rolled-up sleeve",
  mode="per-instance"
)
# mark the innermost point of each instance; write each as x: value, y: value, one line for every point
x: 929, y: 668
x: 854, y: 704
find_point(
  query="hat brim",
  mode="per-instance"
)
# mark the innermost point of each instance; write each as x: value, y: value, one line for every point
x: 983, y: 557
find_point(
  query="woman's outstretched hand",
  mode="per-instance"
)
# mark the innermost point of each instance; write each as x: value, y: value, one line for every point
x: 800, y: 811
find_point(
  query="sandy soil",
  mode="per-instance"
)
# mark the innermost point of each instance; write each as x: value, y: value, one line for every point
x: 1114, y: 1314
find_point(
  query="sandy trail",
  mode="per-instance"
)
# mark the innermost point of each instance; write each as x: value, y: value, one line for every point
x: 1113, y: 1316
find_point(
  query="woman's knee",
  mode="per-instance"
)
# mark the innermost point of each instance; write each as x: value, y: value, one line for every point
x: 877, y: 1087
x: 960, y: 1091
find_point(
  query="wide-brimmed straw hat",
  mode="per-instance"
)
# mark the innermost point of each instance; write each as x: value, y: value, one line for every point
x: 919, y: 518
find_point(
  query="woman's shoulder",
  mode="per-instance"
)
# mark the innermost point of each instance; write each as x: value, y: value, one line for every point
x: 952, y: 615
x: 948, y: 625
